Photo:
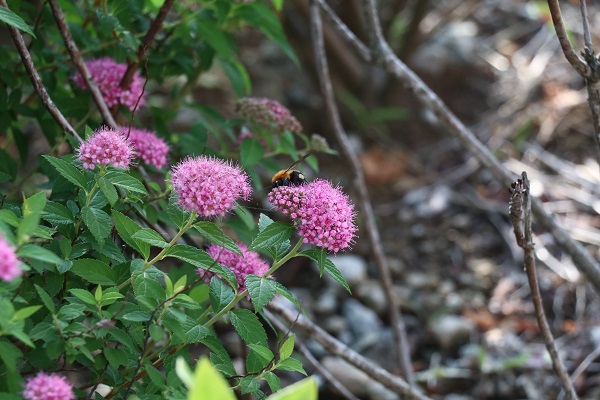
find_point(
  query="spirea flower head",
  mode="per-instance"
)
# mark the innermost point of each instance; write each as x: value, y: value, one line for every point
x: 48, y: 387
x: 322, y: 214
x: 9, y: 264
x: 269, y: 113
x: 148, y: 146
x: 106, y: 147
x: 241, y: 265
x: 208, y: 185
x: 108, y: 74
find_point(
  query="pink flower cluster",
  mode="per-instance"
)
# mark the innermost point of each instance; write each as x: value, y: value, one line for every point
x: 322, y: 214
x: 9, y: 264
x: 107, y: 74
x: 241, y: 265
x: 209, y: 186
x: 269, y: 113
x: 106, y: 147
x: 48, y: 387
x: 148, y: 146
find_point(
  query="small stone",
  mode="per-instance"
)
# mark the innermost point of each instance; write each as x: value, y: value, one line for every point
x: 372, y: 294
x: 349, y: 376
x: 327, y: 303
x: 335, y: 324
x: 364, y: 323
x: 451, y: 330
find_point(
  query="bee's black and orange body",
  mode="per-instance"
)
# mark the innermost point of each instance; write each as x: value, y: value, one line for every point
x: 287, y: 177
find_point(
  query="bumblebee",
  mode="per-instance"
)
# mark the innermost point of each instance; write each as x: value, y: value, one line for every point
x: 287, y: 177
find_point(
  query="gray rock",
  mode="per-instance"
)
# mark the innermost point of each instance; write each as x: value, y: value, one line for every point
x: 451, y: 330
x: 327, y: 303
x: 363, y: 322
x: 372, y: 294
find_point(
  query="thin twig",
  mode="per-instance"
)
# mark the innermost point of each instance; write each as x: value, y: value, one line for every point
x: 334, y: 346
x: 585, y: 21
x: 145, y: 43
x: 59, y: 16
x: 383, y: 56
x: 563, y: 38
x: 36, y: 80
x: 301, y: 347
x: 398, y: 328
x: 520, y: 215
x: 346, y: 33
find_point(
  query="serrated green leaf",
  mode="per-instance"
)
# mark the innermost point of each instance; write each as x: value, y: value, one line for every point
x: 109, y: 297
x: 273, y: 381
x: 200, y: 259
x: 263, y: 222
x: 108, y: 189
x: 84, y: 296
x: 211, y: 232
x: 126, y: 181
x: 248, y: 326
x: 151, y: 237
x: 193, y: 331
x: 176, y: 214
x: 35, y: 252
x: 126, y: 227
x: 46, y: 299
x: 68, y: 171
x: 220, y: 358
x: 291, y: 364
x: 98, y: 222
x: 261, y: 290
x: 13, y: 19
x: 155, y: 376
x: 273, y: 234
x: 69, y: 312
x: 319, y: 256
x: 336, y: 274
x: 220, y: 294
x: 94, y: 271
x: 147, y: 286
x: 208, y: 384
x: 250, y: 385
x: 137, y: 316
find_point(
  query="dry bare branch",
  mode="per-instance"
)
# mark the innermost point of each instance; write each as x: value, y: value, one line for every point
x: 398, y: 326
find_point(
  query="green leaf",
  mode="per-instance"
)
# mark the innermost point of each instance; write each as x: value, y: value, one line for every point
x: 272, y: 235
x: 239, y: 78
x: 248, y: 326
x: 273, y: 381
x: 137, y: 316
x: 84, y: 296
x: 211, y: 232
x: 35, y: 252
x: 25, y: 312
x: 126, y: 227
x: 258, y: 358
x: 209, y: 384
x: 261, y: 290
x: 94, y: 271
x: 200, y: 259
x: 68, y: 171
x: 126, y: 181
x: 263, y: 222
x: 216, y: 37
x: 151, y: 237
x: 108, y: 189
x: 46, y: 299
x: 306, y: 389
x: 287, y: 348
x: 32, y: 209
x: 220, y: 294
x: 291, y: 364
x: 155, y: 376
x: 98, y: 222
x: 69, y: 312
x: 325, y: 264
x: 252, y: 152
x: 262, y: 17
x: 9, y: 354
x: 148, y: 290
x: 13, y: 19
x: 109, y: 297
x: 176, y: 214
x: 193, y: 331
